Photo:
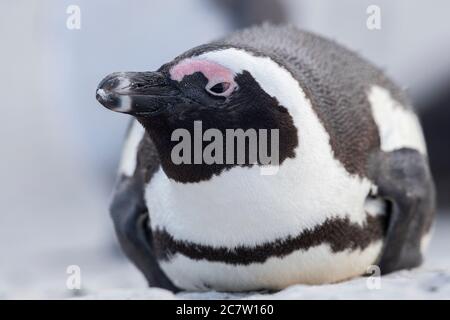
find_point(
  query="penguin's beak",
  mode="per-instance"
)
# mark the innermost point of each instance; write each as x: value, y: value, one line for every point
x: 136, y: 93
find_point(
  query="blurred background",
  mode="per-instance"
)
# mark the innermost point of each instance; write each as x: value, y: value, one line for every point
x: 60, y: 148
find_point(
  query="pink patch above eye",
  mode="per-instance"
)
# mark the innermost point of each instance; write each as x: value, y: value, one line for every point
x: 215, y: 73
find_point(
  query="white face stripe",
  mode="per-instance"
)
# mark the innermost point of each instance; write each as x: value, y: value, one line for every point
x: 398, y: 126
x: 129, y: 153
x: 241, y: 207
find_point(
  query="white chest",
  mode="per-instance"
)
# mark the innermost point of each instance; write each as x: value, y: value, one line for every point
x: 243, y: 208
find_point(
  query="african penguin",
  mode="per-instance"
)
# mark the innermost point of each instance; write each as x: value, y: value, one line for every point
x: 353, y: 186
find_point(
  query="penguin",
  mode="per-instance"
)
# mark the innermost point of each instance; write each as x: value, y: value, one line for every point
x: 353, y: 188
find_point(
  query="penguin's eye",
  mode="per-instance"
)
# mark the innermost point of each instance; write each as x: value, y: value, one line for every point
x: 219, y: 89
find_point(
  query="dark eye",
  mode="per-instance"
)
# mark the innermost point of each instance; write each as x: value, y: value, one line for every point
x: 219, y: 89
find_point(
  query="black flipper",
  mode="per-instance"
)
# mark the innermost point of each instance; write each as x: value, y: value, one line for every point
x: 130, y: 216
x: 404, y: 180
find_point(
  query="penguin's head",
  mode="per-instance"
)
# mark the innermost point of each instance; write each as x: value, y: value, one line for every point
x: 196, y: 88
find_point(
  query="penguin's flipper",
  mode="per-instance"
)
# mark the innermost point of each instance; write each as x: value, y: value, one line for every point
x: 404, y: 180
x: 130, y: 216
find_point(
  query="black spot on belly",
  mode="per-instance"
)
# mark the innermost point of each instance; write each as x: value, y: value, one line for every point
x: 339, y: 233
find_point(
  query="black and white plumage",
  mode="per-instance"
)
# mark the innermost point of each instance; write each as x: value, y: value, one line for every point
x: 353, y: 188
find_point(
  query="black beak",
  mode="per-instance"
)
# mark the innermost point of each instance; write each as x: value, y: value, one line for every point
x: 137, y: 93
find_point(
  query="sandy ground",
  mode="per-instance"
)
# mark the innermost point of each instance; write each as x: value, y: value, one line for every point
x: 431, y: 281
x: 105, y: 274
